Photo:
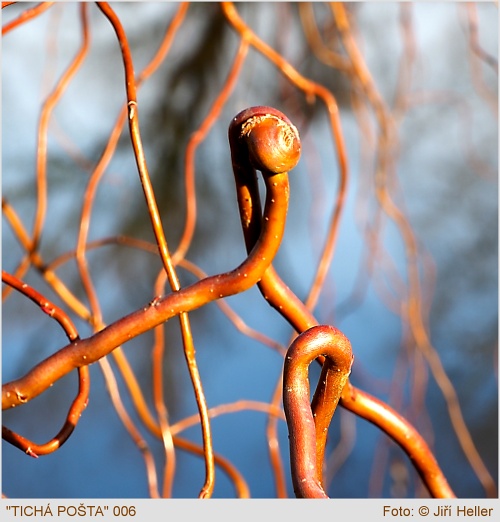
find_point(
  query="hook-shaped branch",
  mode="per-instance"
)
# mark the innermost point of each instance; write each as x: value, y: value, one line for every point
x: 253, y: 131
x: 305, y: 458
x: 277, y: 293
x: 79, y: 403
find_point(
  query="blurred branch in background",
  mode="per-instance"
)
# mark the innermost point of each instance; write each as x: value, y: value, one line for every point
x: 391, y: 238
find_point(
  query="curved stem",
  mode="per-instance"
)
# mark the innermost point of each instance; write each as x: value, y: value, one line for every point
x: 29, y: 14
x: 311, y: 90
x: 79, y: 403
x: 247, y: 274
x: 276, y: 292
x: 187, y: 338
x: 401, y: 432
x: 305, y: 456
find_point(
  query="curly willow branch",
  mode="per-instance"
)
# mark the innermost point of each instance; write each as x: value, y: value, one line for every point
x: 187, y: 338
x: 89, y: 350
x: 80, y: 401
x: 261, y: 139
x: 275, y: 291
